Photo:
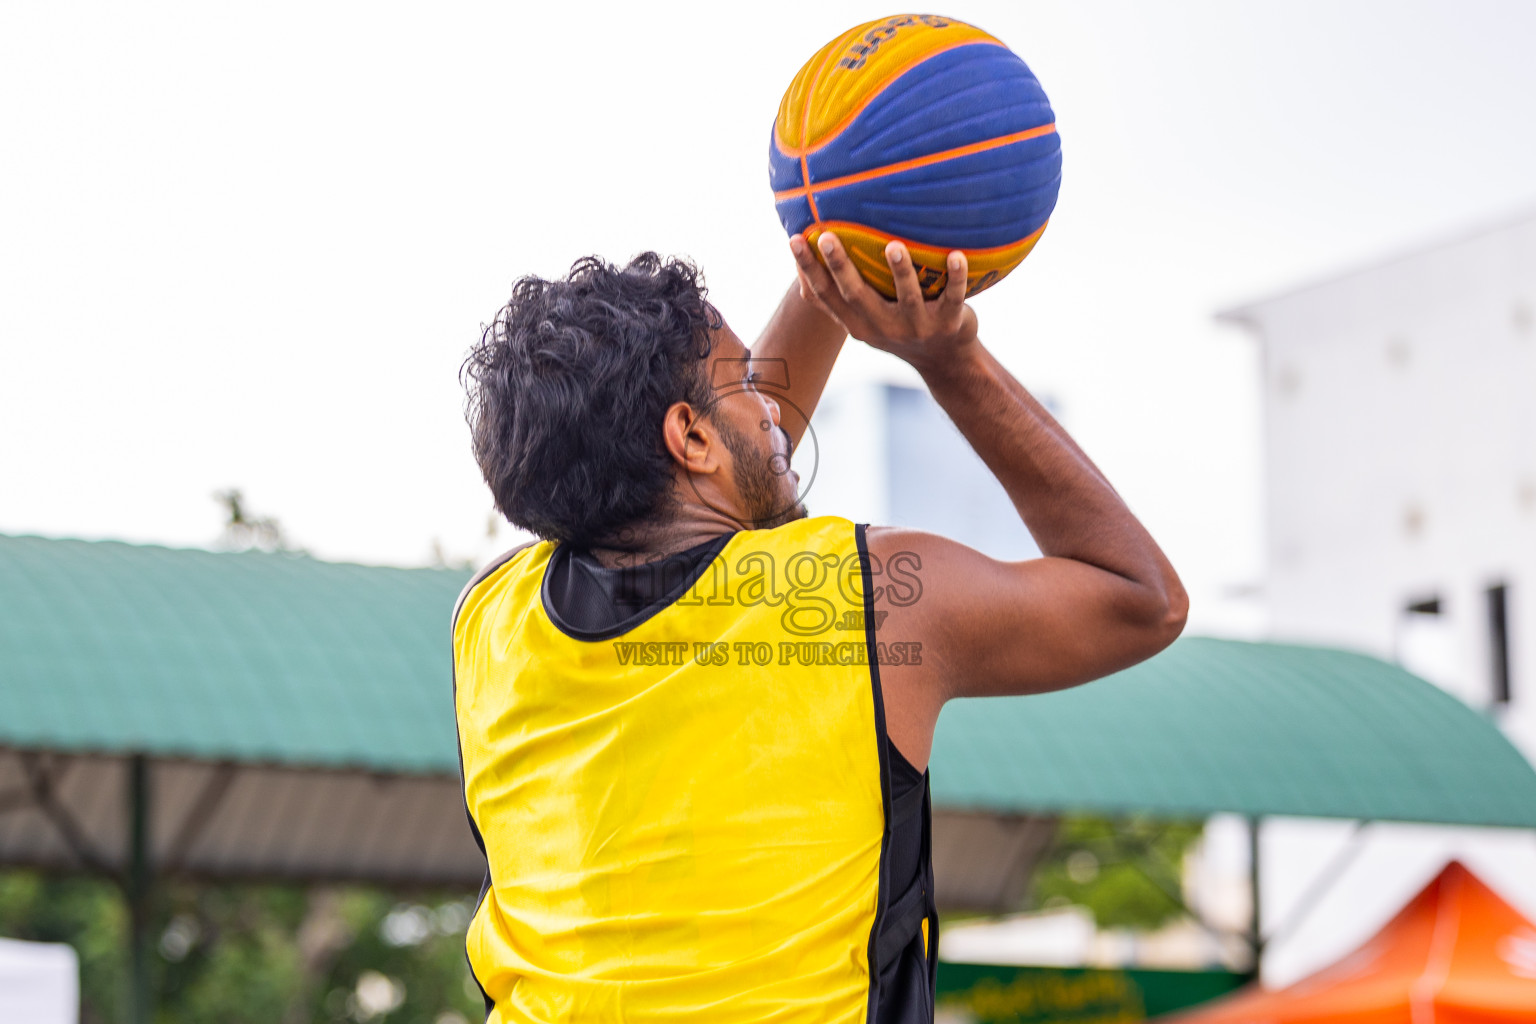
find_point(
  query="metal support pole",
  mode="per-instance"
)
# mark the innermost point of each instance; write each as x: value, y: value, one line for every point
x: 1255, y: 921
x: 139, y: 882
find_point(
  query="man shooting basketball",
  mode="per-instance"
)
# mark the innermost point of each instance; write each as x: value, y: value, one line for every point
x: 699, y: 793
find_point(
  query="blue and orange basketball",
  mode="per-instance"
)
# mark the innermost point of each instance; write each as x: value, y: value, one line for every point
x: 923, y: 129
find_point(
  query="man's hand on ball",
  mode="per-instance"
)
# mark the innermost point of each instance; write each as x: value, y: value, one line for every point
x: 925, y: 334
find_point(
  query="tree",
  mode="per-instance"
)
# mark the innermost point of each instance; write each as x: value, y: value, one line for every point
x: 1127, y: 872
x: 260, y: 954
x: 244, y: 530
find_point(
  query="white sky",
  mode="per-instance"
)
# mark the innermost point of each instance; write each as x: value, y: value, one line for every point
x: 248, y: 246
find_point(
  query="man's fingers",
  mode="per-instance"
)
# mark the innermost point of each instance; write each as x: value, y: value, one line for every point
x: 804, y: 258
x: 909, y: 294
x: 814, y: 277
x: 849, y: 284
x: 953, y: 299
x: 808, y: 293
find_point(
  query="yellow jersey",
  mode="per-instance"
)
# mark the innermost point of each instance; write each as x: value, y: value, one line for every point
x: 690, y: 811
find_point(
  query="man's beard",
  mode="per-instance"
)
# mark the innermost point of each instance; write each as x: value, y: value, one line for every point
x: 759, y: 485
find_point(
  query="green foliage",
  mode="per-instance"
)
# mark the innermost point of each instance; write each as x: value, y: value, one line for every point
x: 1127, y: 872
x: 86, y: 913
x: 249, y: 954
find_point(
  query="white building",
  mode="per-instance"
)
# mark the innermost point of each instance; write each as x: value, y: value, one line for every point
x: 1400, y: 455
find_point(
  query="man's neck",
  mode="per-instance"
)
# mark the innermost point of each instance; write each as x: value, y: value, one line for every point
x: 651, y: 542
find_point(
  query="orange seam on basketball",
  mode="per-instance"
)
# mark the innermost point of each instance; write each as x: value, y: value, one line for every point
x: 805, y: 148
x: 810, y: 200
x: 969, y: 149
x: 810, y: 88
x: 805, y: 121
x: 886, y: 237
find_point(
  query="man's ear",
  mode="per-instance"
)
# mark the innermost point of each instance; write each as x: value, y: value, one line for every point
x: 691, y: 439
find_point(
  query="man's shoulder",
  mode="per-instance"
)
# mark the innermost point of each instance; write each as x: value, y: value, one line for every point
x: 885, y: 541
x: 487, y: 571
x: 829, y: 527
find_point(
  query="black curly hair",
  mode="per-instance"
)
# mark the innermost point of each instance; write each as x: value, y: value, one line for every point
x: 568, y: 386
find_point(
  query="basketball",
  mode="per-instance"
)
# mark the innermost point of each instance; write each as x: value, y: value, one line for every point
x: 923, y: 129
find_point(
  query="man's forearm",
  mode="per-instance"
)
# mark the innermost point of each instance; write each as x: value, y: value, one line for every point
x: 808, y: 341
x: 1068, y: 505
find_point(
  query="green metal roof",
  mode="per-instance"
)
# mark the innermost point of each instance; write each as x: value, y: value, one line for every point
x: 115, y: 647
x: 270, y: 658
x: 1223, y: 725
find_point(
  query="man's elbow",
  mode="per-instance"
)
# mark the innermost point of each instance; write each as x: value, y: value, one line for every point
x: 1160, y: 611
x: 1169, y: 614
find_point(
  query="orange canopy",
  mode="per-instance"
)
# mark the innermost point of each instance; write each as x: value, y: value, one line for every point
x: 1456, y: 954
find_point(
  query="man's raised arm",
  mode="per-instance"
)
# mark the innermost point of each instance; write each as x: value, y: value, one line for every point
x: 1103, y: 597
x: 802, y: 342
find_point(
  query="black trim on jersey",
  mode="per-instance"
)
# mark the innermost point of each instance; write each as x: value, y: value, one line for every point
x: 897, y: 932
x: 884, y: 891
x: 485, y: 889
x: 453, y: 626
x: 931, y: 943
x: 647, y: 588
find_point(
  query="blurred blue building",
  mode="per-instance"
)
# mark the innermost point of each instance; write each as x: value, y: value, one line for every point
x: 885, y: 453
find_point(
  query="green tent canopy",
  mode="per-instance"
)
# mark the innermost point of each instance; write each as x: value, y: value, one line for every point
x: 1253, y: 728
x: 294, y: 719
